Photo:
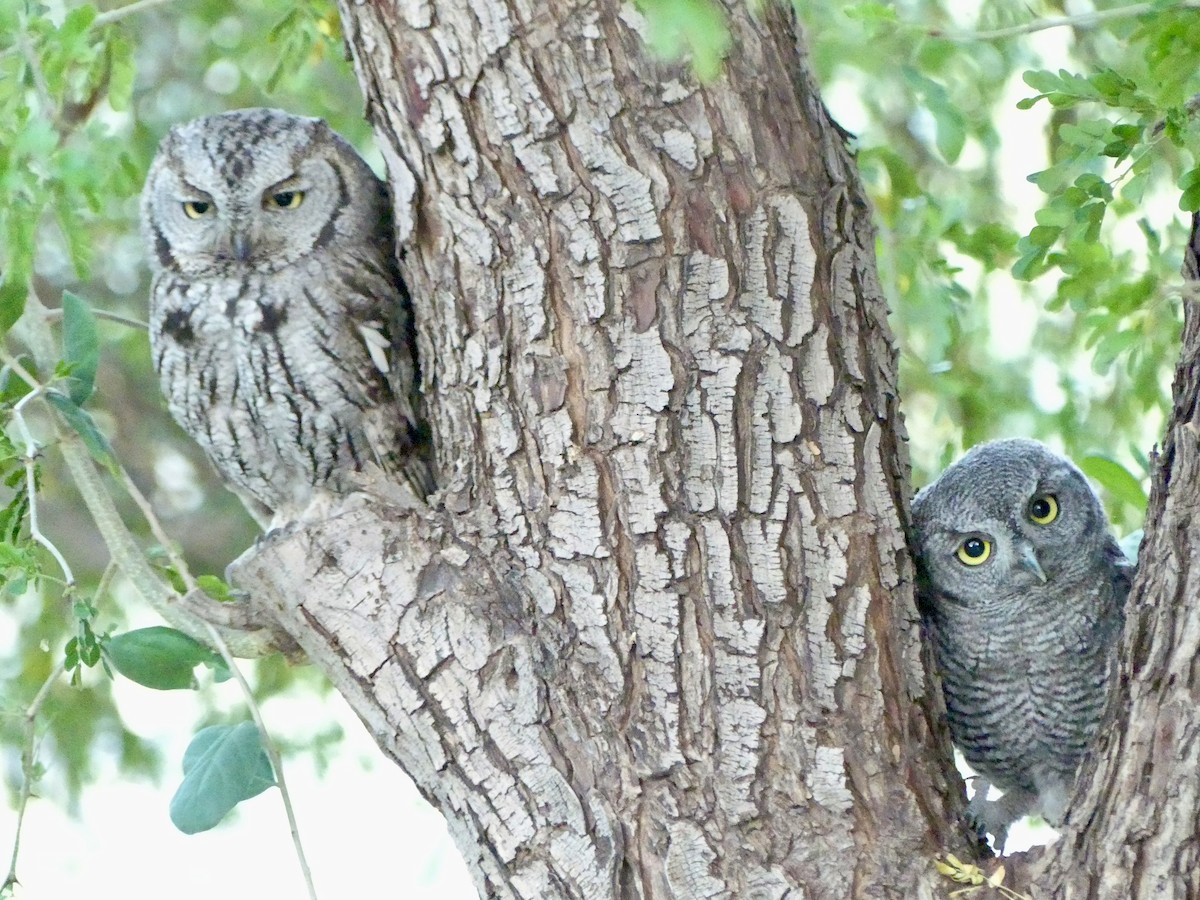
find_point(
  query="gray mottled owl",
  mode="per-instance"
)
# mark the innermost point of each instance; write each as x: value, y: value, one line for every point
x: 279, y: 324
x: 1023, y: 589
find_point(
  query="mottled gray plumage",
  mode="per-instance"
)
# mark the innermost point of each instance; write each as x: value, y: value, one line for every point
x: 280, y: 327
x: 1025, y: 608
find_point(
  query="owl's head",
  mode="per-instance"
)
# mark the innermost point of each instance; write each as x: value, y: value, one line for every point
x: 1009, y: 516
x: 255, y: 190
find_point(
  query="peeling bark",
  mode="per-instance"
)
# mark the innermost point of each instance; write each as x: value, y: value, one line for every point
x: 659, y: 639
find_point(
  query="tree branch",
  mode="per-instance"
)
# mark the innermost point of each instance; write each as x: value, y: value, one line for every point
x: 1080, y: 20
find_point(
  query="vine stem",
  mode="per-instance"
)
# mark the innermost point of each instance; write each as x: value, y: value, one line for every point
x: 28, y: 754
x: 31, y: 453
x: 1082, y: 20
x: 121, y: 12
x: 25, y: 47
x: 53, y: 315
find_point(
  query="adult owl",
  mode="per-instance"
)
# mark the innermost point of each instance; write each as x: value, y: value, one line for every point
x: 1023, y: 590
x: 279, y: 324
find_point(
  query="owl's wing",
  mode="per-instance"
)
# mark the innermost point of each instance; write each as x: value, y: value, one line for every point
x: 1120, y: 574
x: 1121, y: 569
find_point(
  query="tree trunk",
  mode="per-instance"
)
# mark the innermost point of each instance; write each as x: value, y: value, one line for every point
x: 1140, y: 795
x: 659, y: 639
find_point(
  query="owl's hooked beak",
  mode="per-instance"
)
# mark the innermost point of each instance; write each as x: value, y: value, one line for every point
x: 1028, y: 560
x: 240, y: 244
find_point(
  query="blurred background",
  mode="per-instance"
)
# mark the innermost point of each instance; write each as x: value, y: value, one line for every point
x: 1068, y: 335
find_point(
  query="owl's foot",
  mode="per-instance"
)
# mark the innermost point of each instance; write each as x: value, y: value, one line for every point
x: 994, y: 816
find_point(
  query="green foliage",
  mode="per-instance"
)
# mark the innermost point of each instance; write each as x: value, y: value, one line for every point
x: 1052, y: 314
x: 84, y: 425
x: 84, y: 99
x: 305, y: 34
x: 223, y: 765
x: 216, y: 588
x: 692, y: 28
x: 81, y: 348
x: 18, y: 564
x: 70, y: 68
x: 83, y: 650
x: 159, y: 657
x: 1116, y: 479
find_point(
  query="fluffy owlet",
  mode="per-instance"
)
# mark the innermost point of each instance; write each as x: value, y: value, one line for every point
x: 279, y: 324
x: 1023, y: 589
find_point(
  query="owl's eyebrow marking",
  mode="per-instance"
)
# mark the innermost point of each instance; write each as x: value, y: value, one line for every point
x: 343, y: 201
x: 283, y: 183
x: 195, y: 190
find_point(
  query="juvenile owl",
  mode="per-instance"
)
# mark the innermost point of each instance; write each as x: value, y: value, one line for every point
x: 279, y: 325
x: 1023, y: 590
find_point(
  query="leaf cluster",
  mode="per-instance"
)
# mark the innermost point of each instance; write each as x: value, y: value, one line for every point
x: 1052, y: 314
x: 84, y: 98
x: 71, y: 67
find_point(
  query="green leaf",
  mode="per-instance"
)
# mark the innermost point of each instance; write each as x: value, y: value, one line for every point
x: 220, y: 669
x: 696, y: 28
x: 871, y: 12
x: 1041, y: 80
x: 83, y: 424
x: 223, y: 765
x: 12, y: 300
x: 951, y: 132
x: 1044, y: 235
x: 1189, y: 200
x: 81, y: 347
x: 215, y: 588
x: 158, y: 657
x: 122, y: 72
x: 76, y: 23
x: 1115, y: 479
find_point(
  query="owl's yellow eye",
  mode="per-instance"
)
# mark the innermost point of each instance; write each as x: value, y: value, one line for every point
x: 974, y: 551
x: 196, y: 209
x: 1043, y: 509
x: 287, y: 199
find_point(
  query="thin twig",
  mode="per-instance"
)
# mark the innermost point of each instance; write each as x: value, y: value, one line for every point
x: 272, y: 754
x: 31, y: 454
x: 29, y: 749
x: 28, y: 756
x: 177, y: 561
x: 1082, y: 20
x: 272, y: 751
x: 53, y: 314
x: 11, y: 362
x: 35, y: 66
x: 115, y: 15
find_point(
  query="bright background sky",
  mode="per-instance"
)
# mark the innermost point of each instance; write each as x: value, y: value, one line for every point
x: 366, y: 831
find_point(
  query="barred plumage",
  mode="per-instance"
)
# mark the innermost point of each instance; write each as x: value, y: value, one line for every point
x: 280, y: 327
x: 1024, y: 622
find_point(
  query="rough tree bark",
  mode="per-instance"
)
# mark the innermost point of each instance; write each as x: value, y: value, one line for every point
x: 659, y: 639
x: 1139, y: 797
